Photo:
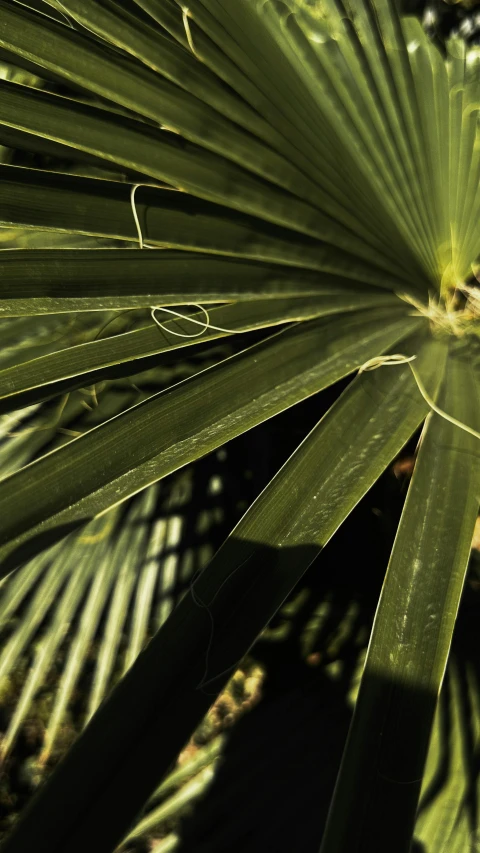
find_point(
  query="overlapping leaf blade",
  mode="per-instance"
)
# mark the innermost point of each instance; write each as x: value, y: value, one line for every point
x: 338, y: 123
x: 448, y: 802
x: 384, y: 762
x: 79, y: 205
x: 79, y: 365
x: 251, y: 574
x: 50, y: 281
x: 108, y: 464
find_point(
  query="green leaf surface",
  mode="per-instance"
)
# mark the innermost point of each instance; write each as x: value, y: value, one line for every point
x: 184, y: 108
x: 50, y: 281
x: 308, y: 152
x: 158, y: 52
x: 110, y: 463
x: 383, y: 764
x: 43, y: 374
x: 168, y: 15
x: 169, y: 219
x: 237, y: 593
x: 166, y: 157
x: 176, y: 803
x: 344, y: 99
x: 119, y: 569
x: 447, y: 810
x: 192, y: 75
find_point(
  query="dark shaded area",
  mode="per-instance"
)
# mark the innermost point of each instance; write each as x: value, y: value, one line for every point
x: 273, y: 789
x: 97, y: 791
x: 274, y: 785
x: 293, y: 687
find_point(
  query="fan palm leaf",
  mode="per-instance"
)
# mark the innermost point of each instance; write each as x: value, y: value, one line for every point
x: 315, y: 166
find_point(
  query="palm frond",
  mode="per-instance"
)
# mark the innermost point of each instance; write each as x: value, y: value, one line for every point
x: 315, y: 165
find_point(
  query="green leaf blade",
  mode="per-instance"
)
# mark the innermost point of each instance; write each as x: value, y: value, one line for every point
x: 384, y: 758
x: 108, y: 464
